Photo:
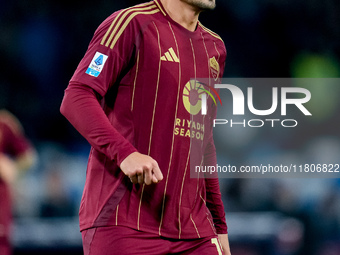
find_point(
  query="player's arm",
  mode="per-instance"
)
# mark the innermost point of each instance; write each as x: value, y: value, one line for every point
x: 214, y: 197
x: 19, y: 154
x: 8, y: 170
x: 214, y: 201
x: 10, y: 167
x: 213, y: 193
x: 215, y: 205
x: 224, y: 241
x: 81, y: 107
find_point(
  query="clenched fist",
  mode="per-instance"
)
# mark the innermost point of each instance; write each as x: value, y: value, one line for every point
x: 141, y: 169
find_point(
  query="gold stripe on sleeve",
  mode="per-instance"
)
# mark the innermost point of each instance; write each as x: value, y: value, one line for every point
x: 117, y: 19
x: 211, y: 32
x: 121, y: 20
x: 126, y: 24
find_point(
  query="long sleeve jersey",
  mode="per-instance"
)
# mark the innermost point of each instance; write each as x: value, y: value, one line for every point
x: 135, y: 90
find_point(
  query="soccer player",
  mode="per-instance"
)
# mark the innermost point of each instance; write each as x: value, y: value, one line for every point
x: 129, y: 98
x: 16, y: 154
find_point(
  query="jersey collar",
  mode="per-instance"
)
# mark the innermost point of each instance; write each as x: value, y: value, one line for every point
x: 163, y: 11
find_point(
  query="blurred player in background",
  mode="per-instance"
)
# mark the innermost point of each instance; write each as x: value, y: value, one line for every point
x: 16, y: 154
x: 129, y: 99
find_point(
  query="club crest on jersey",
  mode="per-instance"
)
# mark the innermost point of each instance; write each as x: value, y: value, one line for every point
x: 97, y: 64
x: 214, y: 68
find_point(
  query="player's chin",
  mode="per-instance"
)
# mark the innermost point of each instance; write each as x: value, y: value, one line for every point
x: 207, y: 5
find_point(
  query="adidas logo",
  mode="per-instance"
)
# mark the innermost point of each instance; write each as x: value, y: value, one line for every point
x: 170, y: 55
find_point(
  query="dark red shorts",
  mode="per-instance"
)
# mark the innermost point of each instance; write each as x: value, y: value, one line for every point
x: 126, y: 241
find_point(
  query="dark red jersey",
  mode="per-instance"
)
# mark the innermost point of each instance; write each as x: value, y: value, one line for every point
x: 138, y: 66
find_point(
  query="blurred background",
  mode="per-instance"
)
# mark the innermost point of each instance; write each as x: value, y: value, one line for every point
x: 41, y: 43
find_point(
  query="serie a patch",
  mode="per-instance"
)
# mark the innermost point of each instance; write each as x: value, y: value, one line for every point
x: 97, y: 64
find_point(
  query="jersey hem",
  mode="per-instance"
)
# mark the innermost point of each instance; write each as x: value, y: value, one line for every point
x: 151, y: 231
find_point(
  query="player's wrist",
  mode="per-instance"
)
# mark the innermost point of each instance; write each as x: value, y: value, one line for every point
x: 123, y: 154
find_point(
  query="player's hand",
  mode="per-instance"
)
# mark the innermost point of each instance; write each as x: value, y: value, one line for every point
x: 141, y: 169
x: 224, y: 241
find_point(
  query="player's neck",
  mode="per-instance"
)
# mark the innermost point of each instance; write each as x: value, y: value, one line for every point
x: 183, y: 13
